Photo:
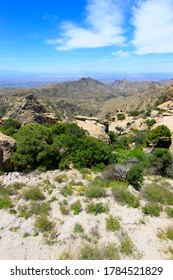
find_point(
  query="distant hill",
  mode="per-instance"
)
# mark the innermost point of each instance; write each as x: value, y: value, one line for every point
x: 86, y: 97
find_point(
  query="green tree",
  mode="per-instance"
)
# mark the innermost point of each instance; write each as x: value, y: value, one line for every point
x: 159, y: 137
x: 135, y: 176
x: 10, y: 127
x: 161, y: 160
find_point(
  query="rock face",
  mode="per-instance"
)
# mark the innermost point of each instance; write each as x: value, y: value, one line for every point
x: 96, y: 128
x: 7, y: 146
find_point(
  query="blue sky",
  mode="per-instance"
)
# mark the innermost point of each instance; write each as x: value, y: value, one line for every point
x: 106, y: 36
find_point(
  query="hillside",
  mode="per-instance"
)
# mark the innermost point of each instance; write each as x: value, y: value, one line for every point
x: 84, y: 97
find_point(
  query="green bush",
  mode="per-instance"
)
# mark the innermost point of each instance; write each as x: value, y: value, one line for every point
x: 123, y: 196
x: 150, y: 122
x: 5, y: 202
x: 112, y: 223
x: 160, y: 137
x: 169, y: 232
x: 127, y: 246
x: 157, y: 193
x: 152, y: 209
x: 33, y: 193
x: 97, y: 208
x: 43, y: 224
x: 10, y: 127
x: 107, y: 252
x: 95, y: 191
x: 66, y: 191
x: 161, y: 161
x: 169, y: 212
x: 135, y: 176
x: 76, y: 207
x: 121, y: 116
x: 78, y: 228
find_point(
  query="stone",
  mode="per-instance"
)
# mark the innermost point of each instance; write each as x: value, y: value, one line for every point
x: 7, y: 146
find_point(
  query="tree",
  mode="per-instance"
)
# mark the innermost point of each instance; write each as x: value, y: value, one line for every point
x: 10, y: 127
x: 135, y: 176
x: 161, y: 160
x: 159, y: 137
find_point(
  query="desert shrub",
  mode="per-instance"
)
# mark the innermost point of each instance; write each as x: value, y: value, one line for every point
x: 161, y: 161
x: 10, y: 127
x: 76, y: 207
x: 158, y: 193
x: 61, y: 178
x: 122, y: 142
x: 93, y: 191
x: 116, y: 172
x: 35, y: 148
x: 43, y: 224
x: 169, y: 212
x: 126, y: 246
x: 64, y: 208
x: 150, y: 122
x: 123, y: 196
x: 159, y: 137
x: 121, y: 116
x: 112, y: 223
x: 66, y: 191
x: 97, y: 208
x: 152, y: 209
x: 107, y: 252
x: 33, y: 193
x: 135, y: 176
x: 39, y: 208
x: 78, y: 228
x: 135, y: 113
x: 5, y: 202
x: 169, y: 232
x: 139, y: 137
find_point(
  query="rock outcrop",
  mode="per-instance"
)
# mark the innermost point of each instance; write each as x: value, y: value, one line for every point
x: 7, y: 146
x: 96, y: 128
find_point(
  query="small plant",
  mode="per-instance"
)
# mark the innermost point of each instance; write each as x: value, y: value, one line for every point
x: 121, y: 116
x: 43, y: 224
x: 5, y: 202
x: 61, y: 178
x: 64, y: 208
x: 126, y: 246
x: 112, y: 223
x: 150, y: 122
x: 97, y: 208
x: 123, y: 196
x: 65, y: 256
x: 169, y: 212
x: 135, y: 176
x: 33, y: 193
x: 158, y: 193
x: 169, y: 232
x: 152, y: 209
x: 78, y: 229
x: 14, y: 229
x: 26, y: 234
x: 94, y: 191
x: 107, y: 252
x: 12, y: 211
x: 76, y: 207
x: 66, y: 191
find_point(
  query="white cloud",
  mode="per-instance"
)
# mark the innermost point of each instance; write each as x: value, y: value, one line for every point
x: 121, y: 53
x: 153, y: 23
x: 104, y: 21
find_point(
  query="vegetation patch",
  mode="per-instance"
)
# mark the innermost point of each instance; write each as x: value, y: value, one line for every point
x: 107, y: 252
x: 43, y: 224
x: 158, y: 193
x: 112, y: 223
x: 33, y: 193
x: 5, y: 202
x: 97, y: 208
x: 123, y: 196
x: 152, y: 209
x: 76, y: 207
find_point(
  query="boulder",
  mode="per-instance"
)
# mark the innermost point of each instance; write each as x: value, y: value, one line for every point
x: 95, y: 128
x: 7, y: 146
